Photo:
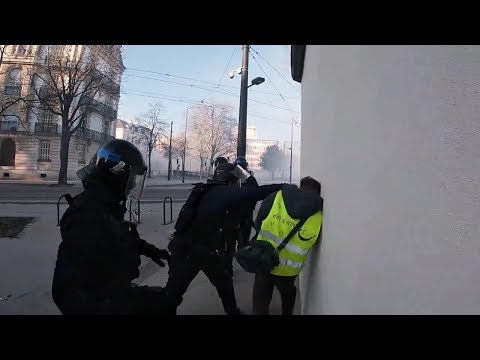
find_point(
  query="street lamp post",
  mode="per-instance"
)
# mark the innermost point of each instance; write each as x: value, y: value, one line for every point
x: 242, y: 115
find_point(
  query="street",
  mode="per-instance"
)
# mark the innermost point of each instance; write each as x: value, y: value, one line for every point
x: 48, y: 192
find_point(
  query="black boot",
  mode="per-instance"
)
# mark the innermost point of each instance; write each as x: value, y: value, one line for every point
x: 234, y: 311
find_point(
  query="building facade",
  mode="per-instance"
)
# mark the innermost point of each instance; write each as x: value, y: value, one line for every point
x: 393, y: 134
x: 30, y: 135
x: 256, y: 148
x: 134, y: 133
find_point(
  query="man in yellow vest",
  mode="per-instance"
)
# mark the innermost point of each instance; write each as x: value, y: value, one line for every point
x: 277, y: 217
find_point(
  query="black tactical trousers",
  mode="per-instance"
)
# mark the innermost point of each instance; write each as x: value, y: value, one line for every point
x: 263, y: 291
x: 184, y: 267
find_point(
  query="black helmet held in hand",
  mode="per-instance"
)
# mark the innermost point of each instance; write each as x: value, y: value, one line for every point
x: 241, y: 161
x: 119, y: 165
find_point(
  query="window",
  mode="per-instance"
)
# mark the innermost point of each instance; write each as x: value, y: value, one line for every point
x: 42, y: 54
x: 45, y: 123
x: 44, y: 155
x: 9, y: 119
x: 22, y: 50
x: 13, y: 85
x: 13, y: 50
x: 81, y: 154
x: 58, y: 51
x: 47, y: 117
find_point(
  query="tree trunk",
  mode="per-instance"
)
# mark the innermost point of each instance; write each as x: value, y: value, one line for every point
x: 210, y: 166
x: 273, y: 174
x: 149, y: 164
x: 64, y: 147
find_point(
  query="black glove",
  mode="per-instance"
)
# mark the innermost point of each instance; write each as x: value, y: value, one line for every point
x: 159, y: 255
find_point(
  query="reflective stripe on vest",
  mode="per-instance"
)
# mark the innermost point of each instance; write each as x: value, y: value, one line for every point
x: 275, y: 228
x: 293, y: 248
x: 291, y: 263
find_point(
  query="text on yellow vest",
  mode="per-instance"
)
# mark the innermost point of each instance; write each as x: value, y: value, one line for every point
x: 276, y: 227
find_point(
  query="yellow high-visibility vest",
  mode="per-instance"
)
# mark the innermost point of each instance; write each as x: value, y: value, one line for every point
x: 276, y: 227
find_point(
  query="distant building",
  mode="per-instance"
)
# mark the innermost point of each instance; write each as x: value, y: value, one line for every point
x: 256, y: 148
x: 134, y: 133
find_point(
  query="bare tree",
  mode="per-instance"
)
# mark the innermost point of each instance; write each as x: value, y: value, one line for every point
x: 213, y: 131
x: 153, y: 130
x: 66, y: 85
x: 178, y: 142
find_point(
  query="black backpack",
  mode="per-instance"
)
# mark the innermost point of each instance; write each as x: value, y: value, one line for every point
x: 189, y: 209
x: 180, y: 237
x: 260, y: 257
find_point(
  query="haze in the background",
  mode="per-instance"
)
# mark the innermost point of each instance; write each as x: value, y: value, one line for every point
x: 271, y: 105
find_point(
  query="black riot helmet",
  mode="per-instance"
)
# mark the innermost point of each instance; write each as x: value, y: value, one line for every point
x: 224, y: 174
x: 242, y: 162
x: 220, y: 160
x: 119, y: 165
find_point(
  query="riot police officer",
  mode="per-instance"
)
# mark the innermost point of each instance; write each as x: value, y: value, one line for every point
x: 205, y: 225
x: 99, y: 255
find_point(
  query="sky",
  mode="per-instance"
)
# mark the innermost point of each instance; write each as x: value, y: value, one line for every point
x: 204, y: 72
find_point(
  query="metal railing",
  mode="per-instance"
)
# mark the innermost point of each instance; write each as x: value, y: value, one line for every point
x: 9, y: 126
x: 100, y: 107
x: 46, y: 128
x: 94, y: 135
x: 13, y: 90
x: 135, y: 212
x: 107, y: 82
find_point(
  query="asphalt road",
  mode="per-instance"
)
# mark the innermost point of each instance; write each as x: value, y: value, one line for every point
x: 49, y: 192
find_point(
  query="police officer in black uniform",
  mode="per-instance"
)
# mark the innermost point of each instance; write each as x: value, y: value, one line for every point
x: 245, y: 227
x: 205, y: 225
x: 99, y: 255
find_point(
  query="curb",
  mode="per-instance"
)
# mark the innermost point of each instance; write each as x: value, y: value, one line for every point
x: 168, y: 185
x: 54, y: 202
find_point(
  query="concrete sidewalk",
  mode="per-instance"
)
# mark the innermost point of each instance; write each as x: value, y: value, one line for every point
x: 27, y: 264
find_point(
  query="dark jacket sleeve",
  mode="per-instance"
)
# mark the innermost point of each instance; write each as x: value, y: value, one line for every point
x: 242, y: 200
x: 264, y: 211
x: 251, y: 181
x: 147, y: 249
x: 260, y: 192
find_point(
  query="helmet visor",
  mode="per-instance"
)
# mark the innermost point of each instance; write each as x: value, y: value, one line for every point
x: 136, y: 182
x: 240, y: 173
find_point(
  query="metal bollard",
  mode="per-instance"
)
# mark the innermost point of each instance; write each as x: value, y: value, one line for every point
x: 135, y: 211
x: 138, y: 211
x: 68, y: 200
x: 171, y: 210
